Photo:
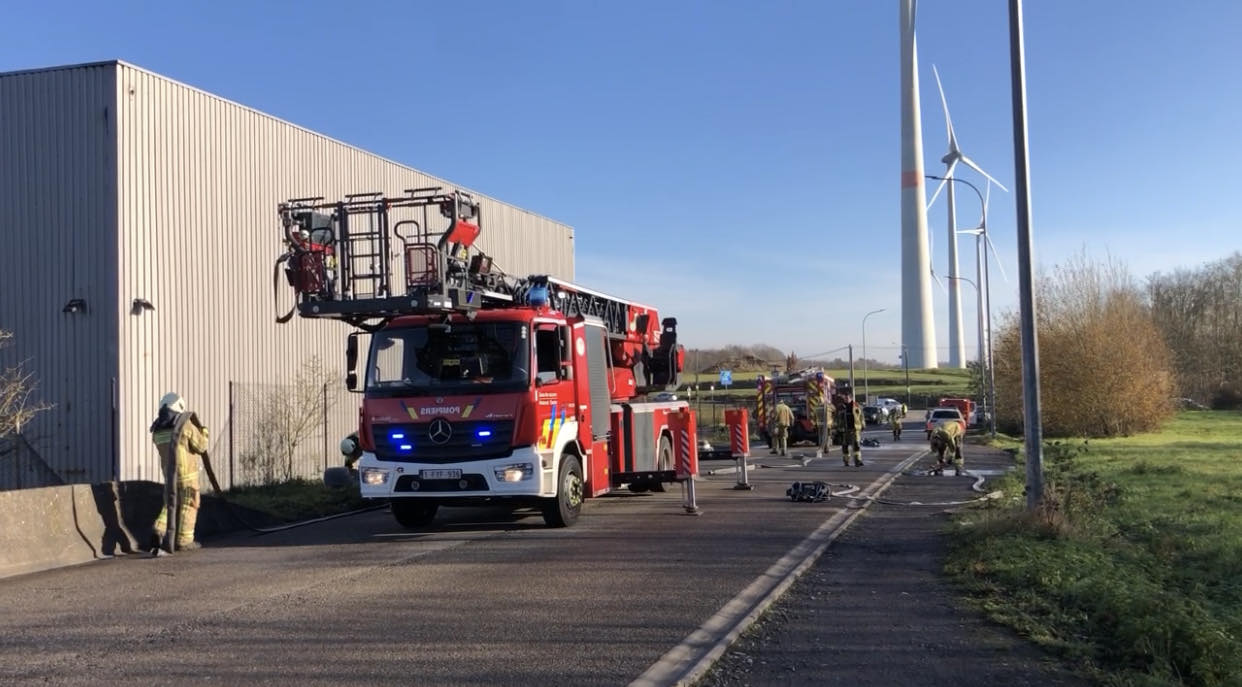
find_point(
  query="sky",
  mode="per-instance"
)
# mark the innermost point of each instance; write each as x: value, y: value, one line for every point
x: 737, y: 164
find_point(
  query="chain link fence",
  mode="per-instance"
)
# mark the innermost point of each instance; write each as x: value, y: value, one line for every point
x: 280, y: 432
x: 22, y: 466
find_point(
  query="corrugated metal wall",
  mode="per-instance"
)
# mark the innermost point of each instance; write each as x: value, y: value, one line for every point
x: 58, y: 226
x: 200, y: 178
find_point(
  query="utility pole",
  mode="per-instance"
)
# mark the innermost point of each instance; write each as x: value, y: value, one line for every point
x: 1026, y: 276
x: 853, y: 392
x: 905, y: 362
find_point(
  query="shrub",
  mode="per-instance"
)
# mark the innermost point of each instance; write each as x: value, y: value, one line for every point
x: 1105, y: 369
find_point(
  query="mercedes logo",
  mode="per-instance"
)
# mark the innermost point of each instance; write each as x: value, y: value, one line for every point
x: 440, y: 431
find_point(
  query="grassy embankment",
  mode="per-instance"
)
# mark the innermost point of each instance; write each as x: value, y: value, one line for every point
x: 1135, y: 571
x: 296, y: 500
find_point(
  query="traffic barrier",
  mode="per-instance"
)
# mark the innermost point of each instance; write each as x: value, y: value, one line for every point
x: 686, y: 456
x: 739, y: 444
x: 53, y: 527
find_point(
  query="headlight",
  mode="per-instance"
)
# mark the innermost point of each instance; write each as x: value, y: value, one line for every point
x: 515, y: 472
x: 374, y: 477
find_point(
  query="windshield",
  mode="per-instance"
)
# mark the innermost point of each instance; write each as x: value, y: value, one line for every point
x: 442, y: 359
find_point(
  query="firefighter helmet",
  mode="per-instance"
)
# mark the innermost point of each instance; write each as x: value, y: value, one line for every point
x: 173, y: 401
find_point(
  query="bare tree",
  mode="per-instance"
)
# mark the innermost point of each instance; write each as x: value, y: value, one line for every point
x: 1199, y: 311
x: 286, y: 417
x: 17, y: 385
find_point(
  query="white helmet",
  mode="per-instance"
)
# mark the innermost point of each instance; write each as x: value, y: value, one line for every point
x: 173, y: 401
x: 349, y: 445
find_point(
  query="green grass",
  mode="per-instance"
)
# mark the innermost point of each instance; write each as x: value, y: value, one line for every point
x: 297, y: 499
x: 1135, y: 569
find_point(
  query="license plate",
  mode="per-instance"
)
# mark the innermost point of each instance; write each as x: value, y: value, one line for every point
x: 439, y: 474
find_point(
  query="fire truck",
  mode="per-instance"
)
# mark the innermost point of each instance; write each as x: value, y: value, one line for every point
x: 804, y: 392
x: 481, y: 387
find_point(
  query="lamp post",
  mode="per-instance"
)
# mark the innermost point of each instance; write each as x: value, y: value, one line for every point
x: 866, y: 388
x: 985, y: 298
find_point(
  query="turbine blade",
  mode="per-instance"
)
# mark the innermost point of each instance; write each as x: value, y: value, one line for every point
x: 948, y: 121
x: 948, y: 174
x: 995, y: 258
x: 971, y: 164
x: 940, y: 283
x: 987, y: 198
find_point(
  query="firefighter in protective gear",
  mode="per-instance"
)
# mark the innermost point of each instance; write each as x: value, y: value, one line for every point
x: 851, y: 420
x: 179, y: 438
x: 351, y: 449
x: 823, y: 419
x: 780, y: 435
x: 894, y: 421
x: 947, y: 436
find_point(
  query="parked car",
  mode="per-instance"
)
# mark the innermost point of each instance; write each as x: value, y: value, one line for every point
x: 892, y: 405
x: 874, y: 414
x: 665, y: 396
x: 939, y: 416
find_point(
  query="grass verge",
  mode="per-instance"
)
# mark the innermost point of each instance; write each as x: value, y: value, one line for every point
x: 1134, y: 566
x: 298, y: 499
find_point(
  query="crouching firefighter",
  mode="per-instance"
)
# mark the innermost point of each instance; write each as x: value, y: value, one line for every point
x: 945, y: 437
x: 180, y: 439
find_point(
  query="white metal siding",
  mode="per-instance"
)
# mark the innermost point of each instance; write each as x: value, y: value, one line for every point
x: 200, y: 178
x: 58, y: 226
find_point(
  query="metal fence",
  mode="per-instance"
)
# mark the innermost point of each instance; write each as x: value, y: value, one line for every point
x: 278, y: 432
x: 22, y: 466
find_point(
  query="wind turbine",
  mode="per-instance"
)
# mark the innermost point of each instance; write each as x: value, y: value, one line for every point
x: 957, y: 351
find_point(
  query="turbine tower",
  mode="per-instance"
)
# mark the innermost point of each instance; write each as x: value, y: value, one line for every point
x: 918, y: 328
x: 957, y: 346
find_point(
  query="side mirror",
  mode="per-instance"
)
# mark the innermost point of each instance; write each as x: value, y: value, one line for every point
x: 351, y: 361
x: 351, y: 351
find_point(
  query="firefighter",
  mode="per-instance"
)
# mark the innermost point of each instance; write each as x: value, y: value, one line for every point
x: 894, y: 421
x: 904, y: 410
x: 823, y: 416
x: 851, y: 430
x: 947, y: 436
x: 351, y: 448
x: 179, y: 438
x: 784, y: 418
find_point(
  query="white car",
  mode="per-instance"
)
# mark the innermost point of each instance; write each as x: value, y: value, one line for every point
x: 890, y: 404
x: 939, y: 416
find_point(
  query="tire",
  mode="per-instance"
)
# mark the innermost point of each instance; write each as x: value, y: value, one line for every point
x: 414, y: 514
x: 563, y: 509
x: 664, y: 461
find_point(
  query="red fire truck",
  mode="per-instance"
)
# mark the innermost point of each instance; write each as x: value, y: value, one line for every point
x: 481, y: 387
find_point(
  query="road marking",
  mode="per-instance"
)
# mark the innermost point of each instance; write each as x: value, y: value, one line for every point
x: 687, y: 662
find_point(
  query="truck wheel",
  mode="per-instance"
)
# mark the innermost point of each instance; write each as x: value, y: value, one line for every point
x: 664, y: 461
x: 563, y: 509
x: 414, y: 513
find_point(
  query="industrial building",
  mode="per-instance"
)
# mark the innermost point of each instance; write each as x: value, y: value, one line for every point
x: 140, y: 228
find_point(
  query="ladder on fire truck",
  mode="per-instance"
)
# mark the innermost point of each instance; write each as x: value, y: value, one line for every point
x: 340, y: 259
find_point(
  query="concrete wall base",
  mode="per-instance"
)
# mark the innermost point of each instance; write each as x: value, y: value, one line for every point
x: 52, y: 527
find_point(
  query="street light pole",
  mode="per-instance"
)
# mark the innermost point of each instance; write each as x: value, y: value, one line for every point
x: 866, y: 387
x: 984, y: 291
x: 1026, y: 273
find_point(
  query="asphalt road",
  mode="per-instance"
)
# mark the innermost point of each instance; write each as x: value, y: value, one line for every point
x: 482, y: 598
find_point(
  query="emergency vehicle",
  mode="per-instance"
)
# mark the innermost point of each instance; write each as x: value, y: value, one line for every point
x: 804, y: 392
x: 481, y: 387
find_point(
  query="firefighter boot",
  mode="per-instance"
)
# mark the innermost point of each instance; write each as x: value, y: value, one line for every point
x: 858, y: 461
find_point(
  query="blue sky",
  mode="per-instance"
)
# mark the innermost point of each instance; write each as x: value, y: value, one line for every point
x: 737, y: 163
